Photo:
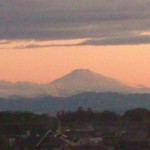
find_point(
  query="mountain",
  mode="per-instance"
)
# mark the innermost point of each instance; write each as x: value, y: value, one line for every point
x: 25, y: 89
x: 81, y: 87
x: 98, y: 101
x: 76, y: 82
x: 84, y: 80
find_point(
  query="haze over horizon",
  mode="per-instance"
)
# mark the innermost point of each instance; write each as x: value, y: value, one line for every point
x: 76, y: 82
x: 86, y: 70
x: 41, y: 41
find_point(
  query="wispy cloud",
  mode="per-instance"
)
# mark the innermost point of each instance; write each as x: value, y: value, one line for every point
x: 128, y: 40
x: 75, y: 19
x: 3, y: 42
x: 44, y: 46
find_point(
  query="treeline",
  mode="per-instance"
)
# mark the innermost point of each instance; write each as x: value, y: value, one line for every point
x: 20, y: 122
x: 13, y: 123
x: 81, y: 116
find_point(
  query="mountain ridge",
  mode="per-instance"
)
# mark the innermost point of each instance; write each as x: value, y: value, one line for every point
x: 97, y: 101
x: 84, y: 80
x: 75, y: 82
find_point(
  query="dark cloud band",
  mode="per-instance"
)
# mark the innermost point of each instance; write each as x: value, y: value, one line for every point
x: 75, y: 19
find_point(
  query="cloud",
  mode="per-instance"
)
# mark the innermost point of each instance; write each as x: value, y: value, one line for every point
x: 44, y: 46
x: 3, y: 42
x: 74, y: 19
x: 129, y: 40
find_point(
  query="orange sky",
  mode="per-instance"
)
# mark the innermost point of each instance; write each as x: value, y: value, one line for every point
x: 129, y: 64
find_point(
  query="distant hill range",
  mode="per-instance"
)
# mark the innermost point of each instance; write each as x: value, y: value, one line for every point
x: 81, y: 87
x: 98, y: 101
x: 76, y: 82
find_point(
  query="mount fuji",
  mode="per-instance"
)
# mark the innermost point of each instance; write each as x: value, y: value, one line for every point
x: 76, y: 82
x: 84, y: 80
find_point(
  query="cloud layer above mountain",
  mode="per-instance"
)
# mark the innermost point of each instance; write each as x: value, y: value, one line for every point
x: 102, y: 22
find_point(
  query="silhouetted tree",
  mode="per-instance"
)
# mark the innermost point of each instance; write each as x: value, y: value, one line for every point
x: 138, y: 114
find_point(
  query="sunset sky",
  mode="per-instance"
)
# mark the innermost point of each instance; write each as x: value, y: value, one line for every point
x: 41, y: 40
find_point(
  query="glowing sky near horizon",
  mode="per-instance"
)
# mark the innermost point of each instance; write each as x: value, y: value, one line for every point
x: 42, y: 40
x: 130, y: 64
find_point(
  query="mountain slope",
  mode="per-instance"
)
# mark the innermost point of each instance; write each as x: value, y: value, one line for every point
x: 98, y: 101
x: 76, y: 82
x: 84, y: 80
x: 25, y: 89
